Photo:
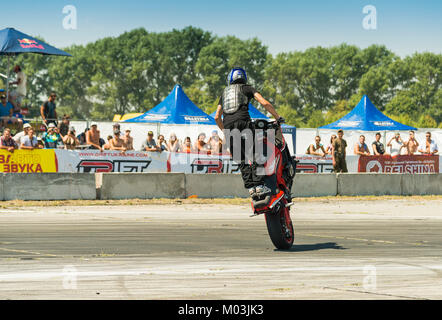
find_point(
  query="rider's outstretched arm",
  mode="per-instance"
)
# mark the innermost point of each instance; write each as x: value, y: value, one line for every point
x: 267, y: 105
x: 218, y: 115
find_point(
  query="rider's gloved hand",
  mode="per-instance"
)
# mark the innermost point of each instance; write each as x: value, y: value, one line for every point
x: 281, y: 120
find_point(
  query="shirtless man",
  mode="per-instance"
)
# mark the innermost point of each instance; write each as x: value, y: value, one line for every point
x: 116, y: 143
x: 93, y: 137
x: 412, y: 144
x: 128, y: 140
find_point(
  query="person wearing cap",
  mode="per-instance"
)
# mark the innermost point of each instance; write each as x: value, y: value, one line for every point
x: 6, y: 141
x: 21, y: 134
x: 47, y: 110
x: 116, y: 143
x: 6, y: 110
x: 93, y: 137
x: 149, y: 144
x: 128, y: 140
x: 52, y: 138
x: 70, y: 141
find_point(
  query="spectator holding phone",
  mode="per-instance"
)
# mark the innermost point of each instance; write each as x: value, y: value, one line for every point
x: 396, y: 144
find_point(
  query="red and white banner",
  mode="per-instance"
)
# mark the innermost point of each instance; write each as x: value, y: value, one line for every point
x: 399, y: 164
x: 110, y: 161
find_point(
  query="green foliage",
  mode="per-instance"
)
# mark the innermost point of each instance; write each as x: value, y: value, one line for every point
x: 136, y: 70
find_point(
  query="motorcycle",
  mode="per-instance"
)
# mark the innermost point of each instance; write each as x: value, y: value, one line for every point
x: 279, y: 172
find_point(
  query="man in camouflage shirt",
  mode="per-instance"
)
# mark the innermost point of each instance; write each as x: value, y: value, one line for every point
x: 338, y: 155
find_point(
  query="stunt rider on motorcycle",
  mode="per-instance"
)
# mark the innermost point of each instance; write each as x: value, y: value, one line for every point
x: 234, y: 107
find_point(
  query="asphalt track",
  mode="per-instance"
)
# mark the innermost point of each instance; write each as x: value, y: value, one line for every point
x: 344, y: 250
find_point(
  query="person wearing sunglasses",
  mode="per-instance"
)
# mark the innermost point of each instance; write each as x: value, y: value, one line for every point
x: 430, y: 145
x: 48, y: 110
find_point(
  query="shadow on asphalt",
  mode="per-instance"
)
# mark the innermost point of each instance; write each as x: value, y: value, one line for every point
x: 313, y: 247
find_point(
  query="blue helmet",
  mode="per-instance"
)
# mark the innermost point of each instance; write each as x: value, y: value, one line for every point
x: 237, y: 75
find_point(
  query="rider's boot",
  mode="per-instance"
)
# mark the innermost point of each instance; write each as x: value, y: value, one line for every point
x: 262, y: 190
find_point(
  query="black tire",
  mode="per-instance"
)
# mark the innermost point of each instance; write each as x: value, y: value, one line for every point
x: 277, y: 222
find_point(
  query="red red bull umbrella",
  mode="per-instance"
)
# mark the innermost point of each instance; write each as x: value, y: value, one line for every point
x: 14, y: 42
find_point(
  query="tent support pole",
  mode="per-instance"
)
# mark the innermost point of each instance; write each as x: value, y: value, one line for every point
x: 7, y: 79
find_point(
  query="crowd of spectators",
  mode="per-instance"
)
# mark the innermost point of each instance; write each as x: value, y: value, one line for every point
x: 396, y: 146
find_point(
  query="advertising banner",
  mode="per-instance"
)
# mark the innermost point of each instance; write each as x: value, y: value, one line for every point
x: 110, y: 161
x: 28, y: 161
x: 399, y: 164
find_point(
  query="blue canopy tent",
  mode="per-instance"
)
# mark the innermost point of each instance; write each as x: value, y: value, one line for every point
x: 366, y: 117
x: 176, y: 108
x: 14, y: 42
x: 256, y: 114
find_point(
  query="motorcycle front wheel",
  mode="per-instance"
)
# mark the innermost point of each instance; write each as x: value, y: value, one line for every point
x: 280, y: 227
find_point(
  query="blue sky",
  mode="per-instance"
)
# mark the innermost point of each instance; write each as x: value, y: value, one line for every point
x: 403, y: 26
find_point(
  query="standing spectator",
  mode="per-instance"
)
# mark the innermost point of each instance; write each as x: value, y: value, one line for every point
x: 314, y: 147
x: 187, y: 146
x: 200, y: 145
x: 29, y: 141
x: 20, y: 92
x: 329, y: 149
x: 377, y: 145
x: 128, y: 140
x: 6, y: 111
x: 63, y: 126
x: 149, y: 144
x: 70, y: 140
x: 21, y: 134
x: 6, y: 141
x: 162, y: 146
x: 215, y: 143
x: 339, y: 153
x: 430, y: 145
x: 52, y: 137
x: 116, y: 143
x: 412, y: 144
x: 93, y: 137
x: 47, y: 110
x: 173, y: 145
x: 396, y: 144
x: 361, y: 147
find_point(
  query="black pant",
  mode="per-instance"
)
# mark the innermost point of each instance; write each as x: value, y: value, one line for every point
x: 247, y: 165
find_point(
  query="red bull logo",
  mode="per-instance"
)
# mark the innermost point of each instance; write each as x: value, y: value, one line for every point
x: 29, y: 43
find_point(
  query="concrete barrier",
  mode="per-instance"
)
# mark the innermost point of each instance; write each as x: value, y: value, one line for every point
x: 48, y: 186
x: 315, y: 185
x: 66, y: 186
x: 422, y: 184
x: 142, y: 185
x: 215, y: 186
x: 363, y: 184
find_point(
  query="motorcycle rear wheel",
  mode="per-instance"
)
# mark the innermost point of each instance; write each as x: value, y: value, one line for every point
x: 280, y: 228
